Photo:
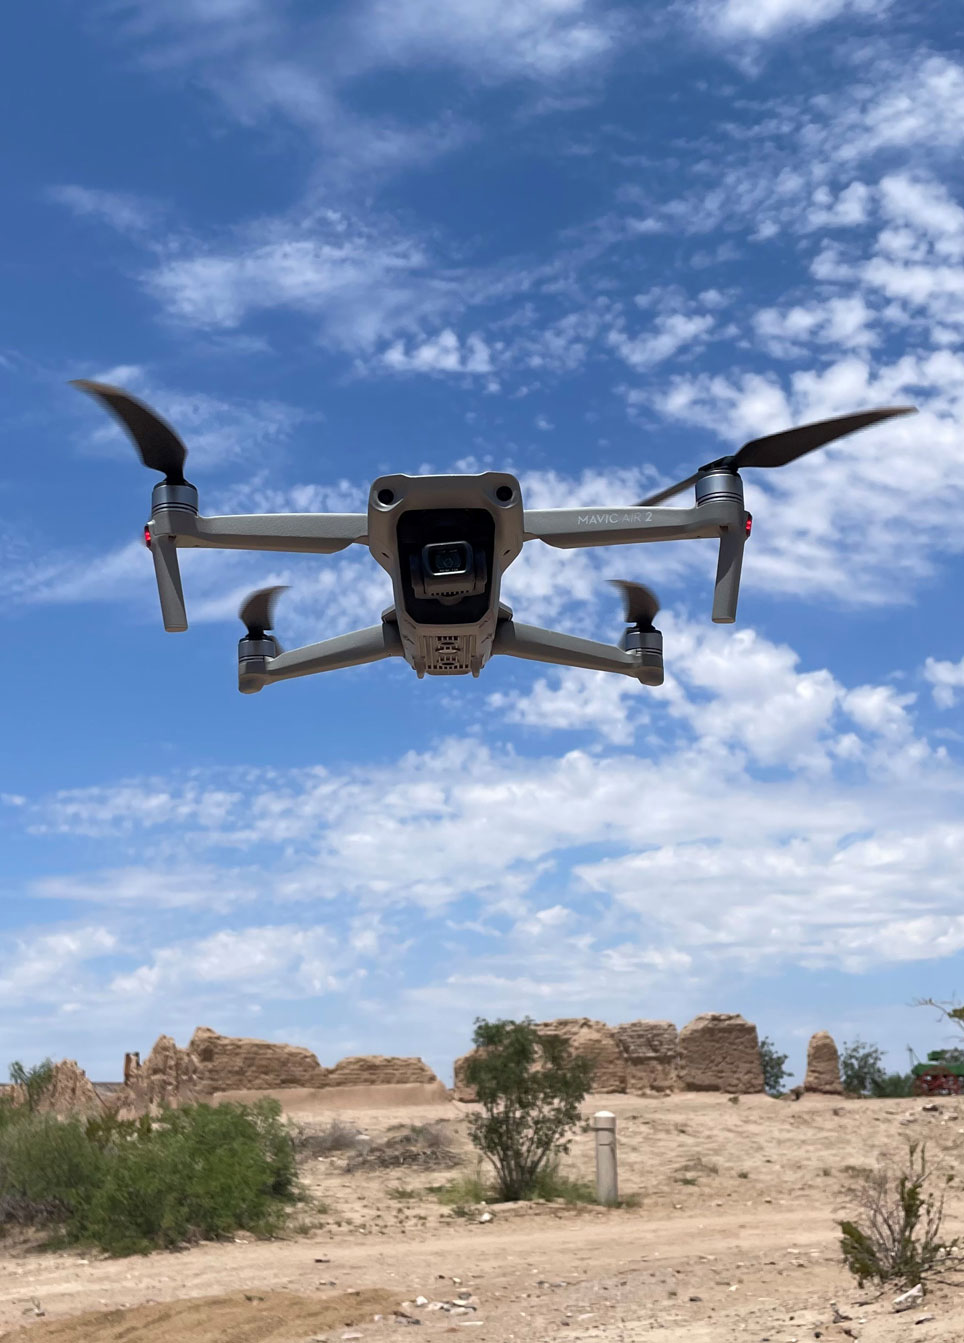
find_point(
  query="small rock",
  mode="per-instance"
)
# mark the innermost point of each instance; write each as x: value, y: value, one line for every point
x: 923, y: 1319
x: 696, y: 1298
x: 907, y: 1300
x: 931, y: 1108
x: 421, y: 1301
x: 353, y: 1334
x: 486, y: 1217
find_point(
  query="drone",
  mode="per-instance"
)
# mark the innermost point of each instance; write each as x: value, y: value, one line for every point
x: 446, y: 542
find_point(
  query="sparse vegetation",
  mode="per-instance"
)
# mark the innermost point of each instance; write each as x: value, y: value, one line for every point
x: 530, y: 1088
x: 131, y: 1186
x: 774, y: 1067
x: 420, y: 1145
x: 897, y: 1237
x: 336, y: 1136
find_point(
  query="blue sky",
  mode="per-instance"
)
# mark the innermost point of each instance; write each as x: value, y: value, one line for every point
x: 592, y: 243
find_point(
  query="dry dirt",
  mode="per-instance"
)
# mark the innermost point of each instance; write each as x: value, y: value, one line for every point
x: 734, y: 1239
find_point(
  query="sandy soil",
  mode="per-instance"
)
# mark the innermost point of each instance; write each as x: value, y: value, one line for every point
x: 734, y: 1238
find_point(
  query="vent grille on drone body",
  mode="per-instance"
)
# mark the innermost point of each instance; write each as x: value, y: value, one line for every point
x: 445, y: 654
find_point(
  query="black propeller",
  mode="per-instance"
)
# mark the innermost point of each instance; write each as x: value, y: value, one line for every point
x: 158, y: 444
x: 641, y: 604
x: 257, y: 613
x: 780, y: 449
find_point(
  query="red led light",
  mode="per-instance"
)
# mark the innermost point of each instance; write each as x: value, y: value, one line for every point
x: 749, y: 524
x: 147, y: 535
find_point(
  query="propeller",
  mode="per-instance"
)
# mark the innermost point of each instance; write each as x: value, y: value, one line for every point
x: 641, y: 603
x: 257, y: 612
x: 780, y: 449
x: 158, y: 444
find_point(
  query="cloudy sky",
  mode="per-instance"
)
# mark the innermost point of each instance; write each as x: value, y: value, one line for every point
x: 592, y: 243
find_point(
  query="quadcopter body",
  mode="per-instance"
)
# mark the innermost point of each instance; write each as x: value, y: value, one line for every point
x: 446, y: 542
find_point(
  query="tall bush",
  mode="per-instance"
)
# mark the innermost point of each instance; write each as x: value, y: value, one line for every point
x: 530, y: 1088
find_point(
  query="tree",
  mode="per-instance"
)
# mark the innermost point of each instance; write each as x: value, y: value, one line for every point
x: 33, y: 1081
x: 773, y: 1070
x: 530, y: 1088
x: 862, y: 1067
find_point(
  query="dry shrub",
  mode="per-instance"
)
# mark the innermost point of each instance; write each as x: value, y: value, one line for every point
x: 420, y: 1145
x: 898, y: 1235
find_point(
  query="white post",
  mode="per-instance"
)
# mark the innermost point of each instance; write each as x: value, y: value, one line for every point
x: 607, y: 1189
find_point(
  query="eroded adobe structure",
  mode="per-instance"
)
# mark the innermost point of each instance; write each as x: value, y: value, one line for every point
x: 823, y: 1066
x: 718, y: 1051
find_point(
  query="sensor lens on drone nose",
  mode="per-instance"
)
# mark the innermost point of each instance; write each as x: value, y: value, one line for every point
x: 386, y: 496
x: 454, y: 557
x: 504, y: 494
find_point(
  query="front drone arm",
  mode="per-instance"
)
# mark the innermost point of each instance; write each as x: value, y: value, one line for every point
x: 305, y: 533
x: 174, y: 523
x: 567, y: 650
x: 725, y: 518
x: 571, y: 527
x: 346, y: 650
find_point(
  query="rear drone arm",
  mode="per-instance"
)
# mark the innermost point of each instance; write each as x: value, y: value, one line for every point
x: 725, y: 518
x: 566, y: 650
x: 346, y: 650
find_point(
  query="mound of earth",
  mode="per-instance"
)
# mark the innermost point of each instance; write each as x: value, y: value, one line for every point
x: 268, y: 1317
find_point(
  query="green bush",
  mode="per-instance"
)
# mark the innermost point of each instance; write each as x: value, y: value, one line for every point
x: 48, y: 1168
x: 132, y: 1186
x: 890, y: 1085
x: 202, y: 1172
x: 861, y: 1067
x: 773, y: 1065
x: 530, y: 1087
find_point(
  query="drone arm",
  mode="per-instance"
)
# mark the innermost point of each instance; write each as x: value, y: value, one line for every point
x: 566, y: 650
x: 308, y: 533
x: 568, y: 528
x: 346, y: 650
x: 728, y: 568
x: 168, y: 575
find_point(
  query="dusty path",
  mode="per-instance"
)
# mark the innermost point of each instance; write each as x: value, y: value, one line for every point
x: 735, y: 1239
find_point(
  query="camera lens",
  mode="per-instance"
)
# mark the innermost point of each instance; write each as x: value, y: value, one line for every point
x: 447, y: 558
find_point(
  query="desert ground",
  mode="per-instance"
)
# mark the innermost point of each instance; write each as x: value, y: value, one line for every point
x: 733, y: 1237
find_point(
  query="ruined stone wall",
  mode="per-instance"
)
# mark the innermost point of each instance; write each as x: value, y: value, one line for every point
x: 719, y: 1051
x: 651, y: 1051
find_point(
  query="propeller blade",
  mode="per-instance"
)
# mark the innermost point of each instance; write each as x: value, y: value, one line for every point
x: 668, y: 493
x: 158, y: 444
x: 257, y: 613
x: 785, y: 447
x: 641, y: 603
x: 780, y: 449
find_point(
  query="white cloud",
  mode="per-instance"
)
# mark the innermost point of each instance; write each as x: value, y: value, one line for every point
x: 444, y: 353
x: 576, y: 701
x: 762, y: 19
x: 491, y: 39
x: 671, y: 333
x: 946, y: 678
x: 361, y: 284
x: 122, y: 210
